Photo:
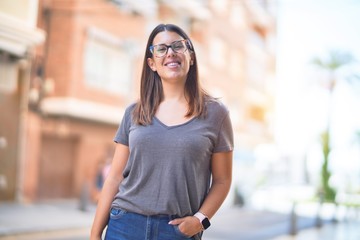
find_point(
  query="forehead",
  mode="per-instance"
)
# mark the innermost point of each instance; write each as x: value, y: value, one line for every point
x: 166, y: 37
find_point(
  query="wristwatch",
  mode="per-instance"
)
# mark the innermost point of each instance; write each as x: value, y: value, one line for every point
x: 203, y: 219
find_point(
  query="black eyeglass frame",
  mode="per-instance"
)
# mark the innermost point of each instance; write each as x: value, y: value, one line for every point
x: 187, y: 47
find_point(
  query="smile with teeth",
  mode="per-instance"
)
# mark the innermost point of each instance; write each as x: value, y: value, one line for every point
x: 172, y: 64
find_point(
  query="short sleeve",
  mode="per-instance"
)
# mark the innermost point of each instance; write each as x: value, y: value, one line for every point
x: 122, y: 134
x: 225, y: 138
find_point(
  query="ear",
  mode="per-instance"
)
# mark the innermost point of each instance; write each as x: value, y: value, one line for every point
x: 192, y: 59
x: 151, y: 64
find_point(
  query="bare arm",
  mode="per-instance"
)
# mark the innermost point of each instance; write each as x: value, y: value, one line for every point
x: 221, y: 164
x: 109, y: 190
x: 221, y: 181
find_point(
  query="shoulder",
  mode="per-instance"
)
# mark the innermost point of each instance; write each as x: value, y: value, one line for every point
x: 129, y: 111
x: 130, y: 107
x: 215, y: 106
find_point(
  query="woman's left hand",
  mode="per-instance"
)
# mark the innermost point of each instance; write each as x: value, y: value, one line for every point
x: 189, y: 225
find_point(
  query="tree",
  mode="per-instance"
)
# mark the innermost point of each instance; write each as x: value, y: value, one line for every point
x: 335, y: 61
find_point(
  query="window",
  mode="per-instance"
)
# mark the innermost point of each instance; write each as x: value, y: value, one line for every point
x: 257, y: 37
x: 237, y: 15
x: 219, y: 6
x: 8, y: 73
x: 217, y: 52
x: 107, y: 63
x: 236, y: 66
x: 256, y: 66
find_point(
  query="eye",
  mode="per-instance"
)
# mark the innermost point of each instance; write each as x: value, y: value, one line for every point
x: 178, y: 45
x: 161, y: 48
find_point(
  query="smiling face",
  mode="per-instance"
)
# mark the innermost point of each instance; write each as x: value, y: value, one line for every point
x: 173, y: 66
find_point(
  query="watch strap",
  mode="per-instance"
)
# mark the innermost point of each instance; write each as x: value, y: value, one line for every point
x: 204, y: 220
x: 200, y: 216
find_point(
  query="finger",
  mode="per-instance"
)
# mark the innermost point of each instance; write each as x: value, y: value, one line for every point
x: 176, y: 221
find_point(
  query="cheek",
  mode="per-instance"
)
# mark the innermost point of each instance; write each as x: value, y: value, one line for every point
x: 157, y: 65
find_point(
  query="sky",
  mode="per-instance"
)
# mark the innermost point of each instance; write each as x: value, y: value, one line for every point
x: 309, y: 29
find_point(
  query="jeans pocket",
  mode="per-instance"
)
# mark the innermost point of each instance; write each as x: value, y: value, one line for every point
x: 179, y: 233
x: 116, y: 213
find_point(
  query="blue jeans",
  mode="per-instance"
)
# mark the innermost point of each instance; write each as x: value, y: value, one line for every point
x: 125, y: 225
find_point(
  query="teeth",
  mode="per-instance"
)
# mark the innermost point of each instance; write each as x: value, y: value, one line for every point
x: 172, y: 64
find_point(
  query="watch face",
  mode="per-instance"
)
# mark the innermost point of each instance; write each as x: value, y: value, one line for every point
x: 206, y: 223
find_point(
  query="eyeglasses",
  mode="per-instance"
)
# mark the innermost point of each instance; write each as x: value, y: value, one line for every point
x: 161, y: 50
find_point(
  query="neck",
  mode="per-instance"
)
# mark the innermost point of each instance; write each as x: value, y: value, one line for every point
x: 173, y: 91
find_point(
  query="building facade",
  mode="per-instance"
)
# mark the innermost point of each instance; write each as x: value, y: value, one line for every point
x: 18, y: 38
x: 87, y: 71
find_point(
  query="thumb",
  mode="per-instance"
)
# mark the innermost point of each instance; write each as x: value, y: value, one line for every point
x: 176, y: 221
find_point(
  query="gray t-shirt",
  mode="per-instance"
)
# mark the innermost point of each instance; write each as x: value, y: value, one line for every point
x: 169, y: 167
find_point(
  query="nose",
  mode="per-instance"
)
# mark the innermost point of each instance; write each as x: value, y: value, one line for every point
x: 172, y: 51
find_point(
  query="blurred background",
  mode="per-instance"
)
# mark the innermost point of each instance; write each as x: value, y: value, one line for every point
x: 288, y: 71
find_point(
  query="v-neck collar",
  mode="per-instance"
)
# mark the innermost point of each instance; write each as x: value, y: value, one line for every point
x: 174, y: 126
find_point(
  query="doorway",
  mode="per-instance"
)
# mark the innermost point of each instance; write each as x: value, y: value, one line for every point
x: 57, y: 168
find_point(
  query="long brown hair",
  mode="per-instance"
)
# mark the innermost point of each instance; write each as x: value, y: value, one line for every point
x: 151, y: 90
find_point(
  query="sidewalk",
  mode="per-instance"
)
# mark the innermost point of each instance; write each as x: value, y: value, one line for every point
x: 248, y: 224
x: 243, y: 224
x: 347, y: 230
x: 44, y: 217
x: 228, y: 224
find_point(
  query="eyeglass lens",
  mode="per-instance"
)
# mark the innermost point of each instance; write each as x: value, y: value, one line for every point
x: 161, y: 49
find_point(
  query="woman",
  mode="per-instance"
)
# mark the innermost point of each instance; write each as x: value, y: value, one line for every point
x: 172, y: 165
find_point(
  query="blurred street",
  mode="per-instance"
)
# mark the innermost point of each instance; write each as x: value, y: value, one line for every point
x: 64, y: 221
x: 69, y: 69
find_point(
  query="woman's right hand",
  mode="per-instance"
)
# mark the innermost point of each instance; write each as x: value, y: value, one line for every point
x: 109, y: 190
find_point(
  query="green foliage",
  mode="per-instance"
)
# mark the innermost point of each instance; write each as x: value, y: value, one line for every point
x: 328, y: 193
x: 334, y: 61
